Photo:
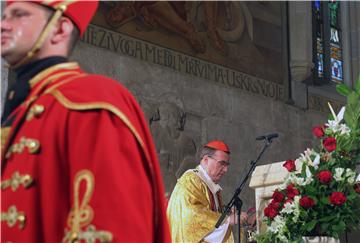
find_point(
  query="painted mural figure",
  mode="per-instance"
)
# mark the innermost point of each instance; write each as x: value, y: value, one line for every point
x: 169, y: 15
x: 173, y: 16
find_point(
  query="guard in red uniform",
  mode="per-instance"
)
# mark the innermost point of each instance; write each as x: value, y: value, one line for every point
x: 78, y: 162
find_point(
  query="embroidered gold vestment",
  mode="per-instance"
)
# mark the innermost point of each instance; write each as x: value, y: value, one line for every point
x: 189, y: 211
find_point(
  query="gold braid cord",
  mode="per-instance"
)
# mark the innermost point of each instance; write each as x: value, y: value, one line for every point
x: 82, y: 214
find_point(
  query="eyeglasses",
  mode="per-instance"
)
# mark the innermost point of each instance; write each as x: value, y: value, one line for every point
x: 222, y: 162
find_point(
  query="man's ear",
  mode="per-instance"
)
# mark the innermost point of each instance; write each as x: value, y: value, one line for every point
x: 62, y: 30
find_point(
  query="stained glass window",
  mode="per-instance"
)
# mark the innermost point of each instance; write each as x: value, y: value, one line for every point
x: 319, y: 38
x: 327, y: 42
x: 335, y: 43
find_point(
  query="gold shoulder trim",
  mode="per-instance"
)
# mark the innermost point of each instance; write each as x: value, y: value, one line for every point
x: 53, y: 78
x: 98, y: 105
x: 35, y: 95
x: 5, y: 131
x: 44, y: 73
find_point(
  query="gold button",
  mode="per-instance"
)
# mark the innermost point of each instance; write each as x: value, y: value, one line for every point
x: 38, y: 110
x: 33, y: 146
x: 27, y: 180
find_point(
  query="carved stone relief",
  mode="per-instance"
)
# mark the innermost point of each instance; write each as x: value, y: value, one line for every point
x: 176, y: 151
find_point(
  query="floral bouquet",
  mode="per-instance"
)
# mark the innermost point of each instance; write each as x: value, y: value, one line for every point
x: 321, y: 194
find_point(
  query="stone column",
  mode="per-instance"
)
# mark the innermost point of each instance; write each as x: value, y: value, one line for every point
x: 346, y: 43
x: 300, y: 38
x: 354, y: 17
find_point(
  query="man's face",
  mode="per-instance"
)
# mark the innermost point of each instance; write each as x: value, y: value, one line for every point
x: 21, y: 25
x: 217, y: 165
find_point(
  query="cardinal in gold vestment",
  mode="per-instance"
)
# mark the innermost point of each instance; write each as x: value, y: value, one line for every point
x: 195, y: 204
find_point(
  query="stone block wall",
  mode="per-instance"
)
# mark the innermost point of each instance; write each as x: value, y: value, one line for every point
x: 213, y: 111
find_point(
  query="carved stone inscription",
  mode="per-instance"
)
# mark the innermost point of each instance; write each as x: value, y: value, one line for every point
x: 178, y: 61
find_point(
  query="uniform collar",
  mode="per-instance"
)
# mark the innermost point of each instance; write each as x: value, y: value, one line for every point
x: 20, y: 89
x: 28, y: 71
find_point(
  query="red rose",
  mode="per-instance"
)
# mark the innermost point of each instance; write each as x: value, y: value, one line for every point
x: 274, y: 204
x: 291, y: 191
x: 324, y: 176
x: 290, y: 165
x: 270, y: 212
x: 318, y: 131
x: 278, y: 196
x: 337, y: 198
x: 306, y: 202
x: 329, y: 144
x: 357, y: 187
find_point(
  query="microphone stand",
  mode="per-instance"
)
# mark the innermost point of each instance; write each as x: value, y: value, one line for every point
x: 235, y: 200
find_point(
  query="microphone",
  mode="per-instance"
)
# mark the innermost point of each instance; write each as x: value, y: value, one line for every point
x: 268, y: 136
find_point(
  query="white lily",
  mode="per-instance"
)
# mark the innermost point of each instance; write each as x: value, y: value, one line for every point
x: 335, y: 125
x: 316, y: 161
x: 344, y: 129
x: 308, y: 172
x: 338, y: 118
x: 358, y: 177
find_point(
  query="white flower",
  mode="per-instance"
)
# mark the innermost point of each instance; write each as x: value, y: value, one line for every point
x: 288, y: 208
x: 334, y: 125
x: 308, y: 180
x: 296, y: 208
x: 351, y: 180
x: 277, y: 224
x: 308, y: 172
x: 316, y: 161
x: 338, y: 174
x: 306, y: 157
x: 350, y: 175
x: 299, y: 181
x: 338, y: 118
x: 344, y: 129
x: 358, y: 177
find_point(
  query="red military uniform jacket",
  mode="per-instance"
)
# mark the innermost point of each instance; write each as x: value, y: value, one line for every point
x: 79, y: 163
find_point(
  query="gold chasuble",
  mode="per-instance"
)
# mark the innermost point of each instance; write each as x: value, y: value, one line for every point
x: 191, y: 212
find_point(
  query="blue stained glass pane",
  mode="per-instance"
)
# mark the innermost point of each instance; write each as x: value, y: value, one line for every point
x: 317, y: 5
x: 320, y: 59
x: 336, y: 70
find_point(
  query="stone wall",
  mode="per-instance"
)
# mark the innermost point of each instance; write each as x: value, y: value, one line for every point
x: 213, y: 111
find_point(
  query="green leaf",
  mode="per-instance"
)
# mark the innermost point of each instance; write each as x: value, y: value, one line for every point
x: 357, y: 85
x: 324, y: 200
x: 328, y: 218
x: 343, y: 89
x: 324, y: 227
x: 339, y: 227
x: 310, y: 225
